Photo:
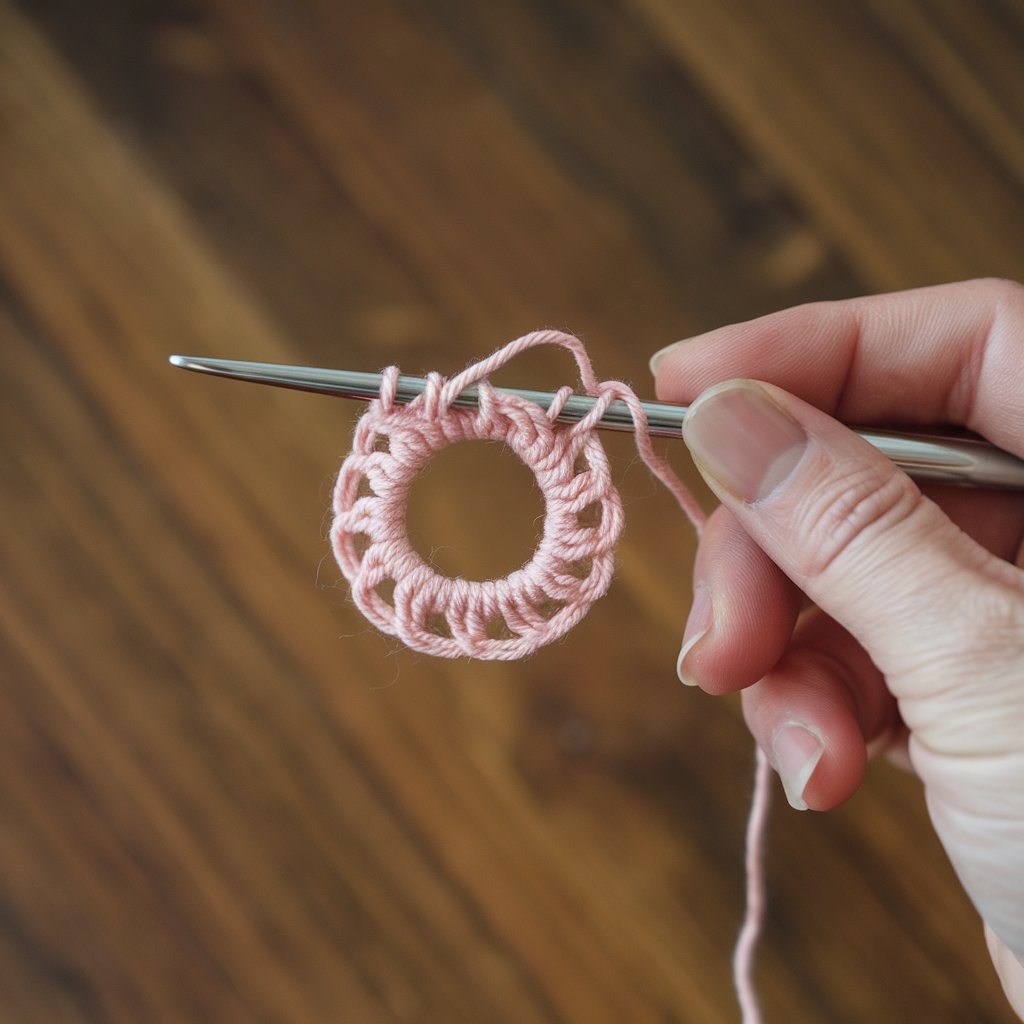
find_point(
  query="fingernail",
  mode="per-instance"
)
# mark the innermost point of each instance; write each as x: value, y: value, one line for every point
x: 697, y: 625
x: 661, y: 353
x: 743, y: 439
x: 796, y: 751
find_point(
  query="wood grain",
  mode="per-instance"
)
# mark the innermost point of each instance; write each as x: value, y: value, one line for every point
x: 222, y: 797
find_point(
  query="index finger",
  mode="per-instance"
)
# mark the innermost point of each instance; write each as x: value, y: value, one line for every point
x: 947, y: 354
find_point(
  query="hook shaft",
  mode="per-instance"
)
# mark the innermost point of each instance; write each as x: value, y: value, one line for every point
x: 925, y: 457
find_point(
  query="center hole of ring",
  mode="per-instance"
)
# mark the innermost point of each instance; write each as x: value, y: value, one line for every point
x: 475, y: 511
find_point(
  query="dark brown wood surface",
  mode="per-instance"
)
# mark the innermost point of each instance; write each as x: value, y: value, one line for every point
x: 222, y: 796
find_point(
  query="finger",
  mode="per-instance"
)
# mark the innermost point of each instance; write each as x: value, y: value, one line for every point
x: 843, y: 523
x: 948, y: 354
x: 743, y: 613
x: 817, y: 711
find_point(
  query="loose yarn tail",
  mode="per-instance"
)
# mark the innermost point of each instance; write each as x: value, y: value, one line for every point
x: 757, y: 822
x: 753, y: 921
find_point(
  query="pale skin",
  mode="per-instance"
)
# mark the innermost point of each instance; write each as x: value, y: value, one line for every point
x: 915, y: 641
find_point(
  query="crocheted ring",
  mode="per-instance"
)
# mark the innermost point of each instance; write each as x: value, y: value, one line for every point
x: 506, y: 618
x: 573, y: 563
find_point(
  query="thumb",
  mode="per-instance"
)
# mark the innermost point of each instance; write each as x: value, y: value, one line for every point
x: 845, y: 524
x: 941, y: 617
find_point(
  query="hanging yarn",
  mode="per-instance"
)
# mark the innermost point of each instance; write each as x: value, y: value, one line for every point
x: 573, y: 563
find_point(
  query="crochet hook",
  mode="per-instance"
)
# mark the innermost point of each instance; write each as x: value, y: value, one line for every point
x: 925, y: 457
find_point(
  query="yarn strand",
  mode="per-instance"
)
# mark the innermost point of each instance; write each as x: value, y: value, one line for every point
x: 753, y: 921
x: 571, y: 568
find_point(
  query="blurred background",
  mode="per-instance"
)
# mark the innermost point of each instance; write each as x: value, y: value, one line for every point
x: 222, y: 796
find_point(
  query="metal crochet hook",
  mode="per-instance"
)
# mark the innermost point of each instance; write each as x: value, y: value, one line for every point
x: 925, y: 457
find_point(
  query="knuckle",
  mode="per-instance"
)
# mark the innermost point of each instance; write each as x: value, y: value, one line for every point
x: 850, y: 509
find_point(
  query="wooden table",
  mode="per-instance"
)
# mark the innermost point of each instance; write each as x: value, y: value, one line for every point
x: 222, y: 796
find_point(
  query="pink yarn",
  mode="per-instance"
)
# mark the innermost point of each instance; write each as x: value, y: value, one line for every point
x: 753, y: 920
x: 571, y: 568
x: 574, y: 561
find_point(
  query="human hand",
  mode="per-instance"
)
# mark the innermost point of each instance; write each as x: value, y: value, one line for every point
x: 916, y: 640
